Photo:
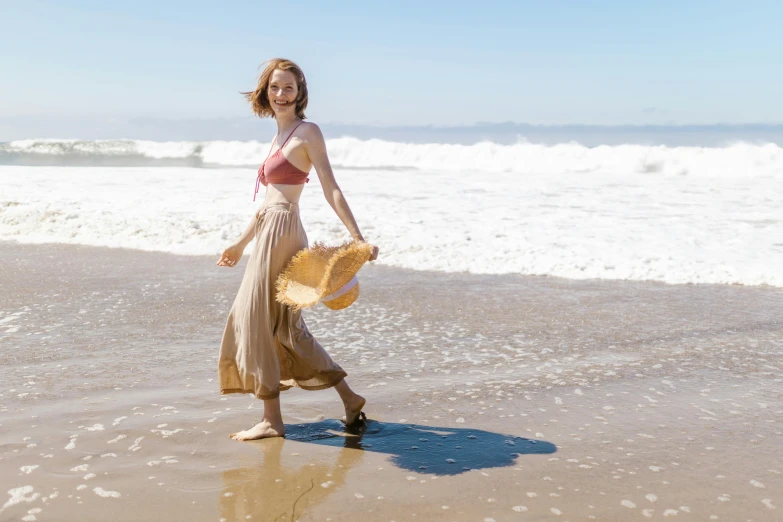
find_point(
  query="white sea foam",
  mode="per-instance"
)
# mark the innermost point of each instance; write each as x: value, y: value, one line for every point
x: 103, y: 493
x: 19, y: 495
x: 606, y: 212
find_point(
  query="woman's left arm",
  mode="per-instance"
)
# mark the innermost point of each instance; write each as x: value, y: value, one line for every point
x: 315, y: 145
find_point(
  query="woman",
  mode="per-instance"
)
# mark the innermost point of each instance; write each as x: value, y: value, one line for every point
x: 266, y: 346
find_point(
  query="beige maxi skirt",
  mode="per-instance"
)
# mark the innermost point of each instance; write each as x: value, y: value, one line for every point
x: 266, y: 346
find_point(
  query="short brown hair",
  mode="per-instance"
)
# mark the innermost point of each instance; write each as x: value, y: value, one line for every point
x: 259, y: 99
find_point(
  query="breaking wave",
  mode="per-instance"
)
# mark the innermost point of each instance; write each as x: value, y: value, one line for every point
x: 737, y: 160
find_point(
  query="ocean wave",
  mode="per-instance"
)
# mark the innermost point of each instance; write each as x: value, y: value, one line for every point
x: 736, y: 160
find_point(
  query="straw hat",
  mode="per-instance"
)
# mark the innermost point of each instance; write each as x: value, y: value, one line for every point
x: 323, y: 273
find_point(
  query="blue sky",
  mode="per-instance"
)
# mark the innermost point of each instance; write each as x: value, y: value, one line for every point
x: 395, y: 63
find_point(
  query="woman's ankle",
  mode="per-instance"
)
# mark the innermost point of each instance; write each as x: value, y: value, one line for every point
x: 273, y: 421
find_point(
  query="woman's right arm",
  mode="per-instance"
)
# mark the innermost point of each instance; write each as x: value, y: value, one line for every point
x: 249, y: 233
x: 232, y: 255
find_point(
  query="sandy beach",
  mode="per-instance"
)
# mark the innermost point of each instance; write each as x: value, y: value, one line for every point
x: 489, y: 398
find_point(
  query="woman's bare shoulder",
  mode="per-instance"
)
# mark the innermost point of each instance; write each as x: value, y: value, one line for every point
x: 311, y: 131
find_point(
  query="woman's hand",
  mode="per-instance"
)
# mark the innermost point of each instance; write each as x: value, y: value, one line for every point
x: 231, y: 256
x: 374, y: 253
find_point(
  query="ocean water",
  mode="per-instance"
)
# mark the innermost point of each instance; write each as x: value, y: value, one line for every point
x: 677, y: 214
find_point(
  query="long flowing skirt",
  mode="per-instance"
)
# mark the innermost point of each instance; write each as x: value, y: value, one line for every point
x: 266, y: 346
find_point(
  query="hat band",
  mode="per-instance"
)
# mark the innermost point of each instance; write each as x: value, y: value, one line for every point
x: 344, y: 290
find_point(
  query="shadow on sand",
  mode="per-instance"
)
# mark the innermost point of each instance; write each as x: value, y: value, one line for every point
x: 424, y: 449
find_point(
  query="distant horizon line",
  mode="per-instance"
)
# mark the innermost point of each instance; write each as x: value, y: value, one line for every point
x: 498, y: 124
x: 504, y: 123
x: 247, y: 128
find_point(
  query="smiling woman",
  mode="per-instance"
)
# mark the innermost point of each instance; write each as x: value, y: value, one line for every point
x: 285, y: 89
x: 266, y: 346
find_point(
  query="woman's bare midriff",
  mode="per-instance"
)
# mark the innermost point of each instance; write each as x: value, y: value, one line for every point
x: 276, y: 193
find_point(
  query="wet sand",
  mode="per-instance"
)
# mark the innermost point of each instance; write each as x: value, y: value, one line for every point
x: 489, y: 398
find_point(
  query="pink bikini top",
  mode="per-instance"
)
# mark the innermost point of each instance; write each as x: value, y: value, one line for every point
x: 278, y: 170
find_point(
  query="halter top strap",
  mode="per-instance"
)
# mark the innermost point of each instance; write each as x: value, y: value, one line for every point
x: 291, y: 134
x: 284, y: 143
x: 261, y: 178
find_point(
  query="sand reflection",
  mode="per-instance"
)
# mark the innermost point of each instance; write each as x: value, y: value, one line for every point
x: 285, y: 485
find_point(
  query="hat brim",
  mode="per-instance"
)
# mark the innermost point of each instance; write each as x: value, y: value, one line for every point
x: 320, y: 271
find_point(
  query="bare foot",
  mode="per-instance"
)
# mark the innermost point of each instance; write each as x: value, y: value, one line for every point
x: 262, y: 430
x: 353, y: 408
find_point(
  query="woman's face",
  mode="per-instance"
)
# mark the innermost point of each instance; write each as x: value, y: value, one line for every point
x: 282, y: 91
